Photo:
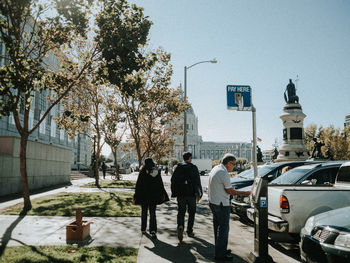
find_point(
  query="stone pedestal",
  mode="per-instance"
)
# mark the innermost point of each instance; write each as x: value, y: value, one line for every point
x: 293, y: 147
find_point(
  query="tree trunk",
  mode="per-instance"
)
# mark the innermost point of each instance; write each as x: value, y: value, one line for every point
x: 114, y: 152
x: 97, y: 177
x: 23, y: 170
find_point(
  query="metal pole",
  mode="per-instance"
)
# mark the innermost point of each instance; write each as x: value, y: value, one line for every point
x: 254, y: 142
x: 185, y: 113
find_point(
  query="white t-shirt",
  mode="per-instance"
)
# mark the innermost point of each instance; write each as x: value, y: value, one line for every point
x: 219, y: 179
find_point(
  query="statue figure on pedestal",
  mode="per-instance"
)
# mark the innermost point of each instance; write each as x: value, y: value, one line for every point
x: 290, y: 93
x: 259, y: 155
x: 316, y: 152
x: 275, y: 154
x: 329, y: 154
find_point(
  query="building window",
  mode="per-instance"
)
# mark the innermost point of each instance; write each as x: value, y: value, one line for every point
x: 11, y: 119
x: 31, y: 119
x: 61, y: 135
x: 53, y: 128
x: 42, y: 126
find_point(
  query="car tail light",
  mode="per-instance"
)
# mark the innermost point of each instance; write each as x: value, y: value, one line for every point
x: 284, y: 204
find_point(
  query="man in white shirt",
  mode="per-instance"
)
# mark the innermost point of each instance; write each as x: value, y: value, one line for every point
x: 219, y: 191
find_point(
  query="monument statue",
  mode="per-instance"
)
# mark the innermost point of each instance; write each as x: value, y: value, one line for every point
x: 316, y: 152
x: 275, y: 154
x: 259, y: 155
x: 329, y: 154
x: 290, y: 94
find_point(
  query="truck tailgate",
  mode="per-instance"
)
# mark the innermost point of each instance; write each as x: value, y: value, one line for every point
x: 306, y: 201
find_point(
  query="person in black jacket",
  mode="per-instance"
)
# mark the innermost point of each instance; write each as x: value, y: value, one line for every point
x: 149, y: 193
x: 186, y: 186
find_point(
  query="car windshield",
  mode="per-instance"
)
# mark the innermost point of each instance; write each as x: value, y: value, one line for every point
x: 291, y: 176
x: 262, y: 170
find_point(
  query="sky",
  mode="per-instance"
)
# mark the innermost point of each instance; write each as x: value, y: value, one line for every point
x: 263, y: 44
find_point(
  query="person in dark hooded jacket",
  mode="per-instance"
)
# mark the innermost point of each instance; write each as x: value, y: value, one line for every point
x: 149, y: 193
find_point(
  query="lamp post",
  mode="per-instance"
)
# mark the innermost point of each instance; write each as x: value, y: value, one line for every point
x: 185, y: 89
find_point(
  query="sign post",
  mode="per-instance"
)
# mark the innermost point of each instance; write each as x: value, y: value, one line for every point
x: 239, y: 97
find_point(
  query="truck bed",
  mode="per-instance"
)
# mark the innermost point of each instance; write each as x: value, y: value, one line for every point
x: 305, y: 201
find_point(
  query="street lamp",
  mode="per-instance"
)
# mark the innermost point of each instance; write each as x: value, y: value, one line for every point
x: 185, y: 84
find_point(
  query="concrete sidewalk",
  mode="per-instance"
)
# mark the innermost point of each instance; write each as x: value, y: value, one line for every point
x: 125, y: 231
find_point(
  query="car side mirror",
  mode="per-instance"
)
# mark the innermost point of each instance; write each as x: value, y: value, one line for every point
x: 306, y: 182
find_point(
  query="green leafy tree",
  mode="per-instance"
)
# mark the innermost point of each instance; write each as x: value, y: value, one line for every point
x: 34, y: 33
x: 121, y: 33
x: 114, y: 125
x: 336, y: 140
x: 152, y: 108
x: 121, y: 36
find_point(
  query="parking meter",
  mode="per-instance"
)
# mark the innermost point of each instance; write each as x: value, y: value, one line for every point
x: 259, y: 201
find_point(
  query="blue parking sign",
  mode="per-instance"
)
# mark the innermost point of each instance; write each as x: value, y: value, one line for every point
x: 263, y: 202
x: 239, y: 97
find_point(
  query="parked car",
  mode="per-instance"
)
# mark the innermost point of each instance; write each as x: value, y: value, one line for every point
x: 326, y: 237
x: 291, y: 205
x: 270, y: 171
x: 245, y: 179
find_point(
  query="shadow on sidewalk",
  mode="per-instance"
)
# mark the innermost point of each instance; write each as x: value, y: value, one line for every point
x: 8, y: 233
x: 182, y: 252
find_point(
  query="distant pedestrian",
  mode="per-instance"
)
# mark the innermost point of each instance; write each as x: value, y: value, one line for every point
x: 219, y: 191
x: 186, y: 186
x: 166, y: 170
x: 149, y: 193
x: 104, y: 169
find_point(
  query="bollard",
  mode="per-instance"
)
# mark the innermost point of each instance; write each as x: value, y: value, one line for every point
x: 78, y: 230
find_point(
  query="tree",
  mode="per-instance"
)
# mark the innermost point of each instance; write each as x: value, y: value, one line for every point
x: 337, y: 140
x: 114, y: 125
x: 121, y: 34
x: 32, y: 35
x: 152, y: 109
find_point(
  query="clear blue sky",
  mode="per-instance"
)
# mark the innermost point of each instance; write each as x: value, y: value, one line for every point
x: 262, y: 44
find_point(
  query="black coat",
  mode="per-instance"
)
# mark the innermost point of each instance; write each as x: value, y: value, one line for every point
x: 186, y: 172
x: 149, y: 189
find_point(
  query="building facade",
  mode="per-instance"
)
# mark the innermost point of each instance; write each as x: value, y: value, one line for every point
x: 48, y: 132
x: 207, y: 150
x: 347, y: 121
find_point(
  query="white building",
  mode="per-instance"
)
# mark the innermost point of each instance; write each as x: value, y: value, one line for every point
x: 347, y: 121
x: 207, y: 150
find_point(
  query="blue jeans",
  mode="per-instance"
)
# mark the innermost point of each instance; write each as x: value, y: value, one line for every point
x: 183, y: 203
x: 221, y: 221
x: 152, y: 217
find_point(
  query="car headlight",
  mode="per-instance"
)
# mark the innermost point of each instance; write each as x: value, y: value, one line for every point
x: 343, y: 240
x: 309, y: 225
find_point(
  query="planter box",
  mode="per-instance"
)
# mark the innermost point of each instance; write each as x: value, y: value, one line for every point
x: 78, y: 230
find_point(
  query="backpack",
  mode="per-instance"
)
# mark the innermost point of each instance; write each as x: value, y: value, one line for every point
x: 179, y: 187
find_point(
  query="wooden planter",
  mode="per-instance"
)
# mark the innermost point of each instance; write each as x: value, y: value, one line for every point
x: 78, y: 230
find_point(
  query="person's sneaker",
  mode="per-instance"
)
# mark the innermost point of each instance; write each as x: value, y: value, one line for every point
x: 190, y: 234
x: 143, y: 232
x: 180, y: 233
x: 153, y: 234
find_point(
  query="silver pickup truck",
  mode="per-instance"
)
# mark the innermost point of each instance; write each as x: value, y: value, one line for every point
x: 291, y: 205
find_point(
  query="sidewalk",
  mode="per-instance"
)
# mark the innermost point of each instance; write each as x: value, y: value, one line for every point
x: 125, y: 231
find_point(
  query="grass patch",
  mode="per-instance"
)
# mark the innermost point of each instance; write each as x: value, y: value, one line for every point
x: 67, y: 254
x: 112, y: 184
x: 91, y: 204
